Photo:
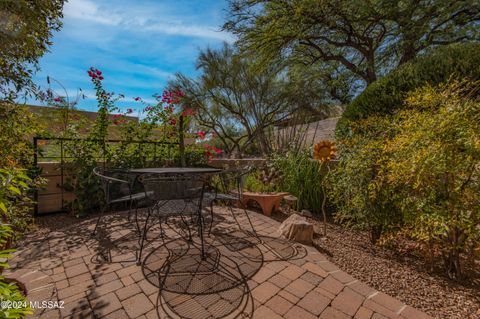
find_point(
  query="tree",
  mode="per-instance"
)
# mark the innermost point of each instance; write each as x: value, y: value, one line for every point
x: 26, y: 27
x: 235, y: 101
x: 367, y: 38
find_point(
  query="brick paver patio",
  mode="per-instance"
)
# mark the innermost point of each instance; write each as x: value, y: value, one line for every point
x: 70, y: 266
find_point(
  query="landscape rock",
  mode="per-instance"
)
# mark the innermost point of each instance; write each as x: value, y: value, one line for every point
x: 306, y: 213
x: 298, y: 229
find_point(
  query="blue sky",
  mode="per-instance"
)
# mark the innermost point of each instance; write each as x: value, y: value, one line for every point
x: 139, y: 45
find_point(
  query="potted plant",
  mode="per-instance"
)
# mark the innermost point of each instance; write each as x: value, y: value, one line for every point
x: 261, y: 186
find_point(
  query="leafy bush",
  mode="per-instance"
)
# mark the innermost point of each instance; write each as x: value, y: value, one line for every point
x: 9, y: 290
x: 358, y: 186
x: 387, y: 94
x: 417, y: 172
x: 13, y: 186
x: 435, y: 169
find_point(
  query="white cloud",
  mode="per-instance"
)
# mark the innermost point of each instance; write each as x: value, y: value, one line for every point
x: 129, y: 20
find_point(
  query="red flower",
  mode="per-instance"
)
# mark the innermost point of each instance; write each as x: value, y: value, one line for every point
x: 201, y: 135
x: 129, y: 111
x: 148, y: 108
x: 58, y: 99
x: 137, y: 98
x: 172, y: 122
x: 188, y: 112
x: 95, y: 73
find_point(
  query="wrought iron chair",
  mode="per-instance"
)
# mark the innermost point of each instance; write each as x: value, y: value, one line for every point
x: 119, y: 188
x: 229, y: 188
x: 173, y: 195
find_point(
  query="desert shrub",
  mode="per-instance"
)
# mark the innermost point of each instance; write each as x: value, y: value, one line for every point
x: 387, y: 94
x: 417, y: 172
x: 17, y: 175
x: 13, y: 199
x: 434, y: 168
x: 10, y: 292
x: 357, y: 186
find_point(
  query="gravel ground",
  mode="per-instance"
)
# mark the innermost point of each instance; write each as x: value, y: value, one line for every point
x: 403, y: 277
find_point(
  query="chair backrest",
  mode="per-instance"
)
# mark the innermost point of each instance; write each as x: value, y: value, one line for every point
x: 159, y: 187
x: 233, y: 180
x: 116, y: 183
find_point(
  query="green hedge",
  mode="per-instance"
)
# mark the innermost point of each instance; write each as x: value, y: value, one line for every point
x: 387, y: 94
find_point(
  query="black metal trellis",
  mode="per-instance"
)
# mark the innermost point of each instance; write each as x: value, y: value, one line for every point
x: 61, y: 159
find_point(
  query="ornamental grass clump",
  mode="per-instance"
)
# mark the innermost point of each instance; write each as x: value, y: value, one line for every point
x: 300, y: 177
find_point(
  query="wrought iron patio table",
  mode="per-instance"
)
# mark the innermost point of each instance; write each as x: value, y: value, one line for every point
x: 179, y: 171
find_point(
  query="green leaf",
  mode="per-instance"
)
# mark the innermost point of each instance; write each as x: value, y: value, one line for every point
x: 14, y: 190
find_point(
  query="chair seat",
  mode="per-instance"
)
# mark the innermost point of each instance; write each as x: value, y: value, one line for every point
x: 127, y: 198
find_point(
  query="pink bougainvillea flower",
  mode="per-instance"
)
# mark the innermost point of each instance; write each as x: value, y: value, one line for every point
x: 58, y: 99
x: 201, y: 135
x: 99, y: 72
x: 188, y: 112
x: 137, y: 98
x: 129, y: 111
x: 172, y: 122
x: 147, y: 109
x: 216, y: 150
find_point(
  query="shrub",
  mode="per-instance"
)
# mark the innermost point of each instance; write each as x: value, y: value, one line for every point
x: 358, y: 186
x: 13, y: 186
x: 417, y: 172
x: 387, y: 94
x: 9, y: 291
x: 435, y: 169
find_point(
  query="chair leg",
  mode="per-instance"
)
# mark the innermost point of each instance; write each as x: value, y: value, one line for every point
x: 99, y: 217
x: 200, y: 233
x: 144, y: 235
x: 189, y: 239
x: 250, y: 222
x: 254, y: 232
x: 136, y: 218
x: 130, y: 210
x: 163, y: 234
x: 211, y: 218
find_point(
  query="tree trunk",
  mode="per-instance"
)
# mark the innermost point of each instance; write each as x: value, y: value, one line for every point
x: 181, y: 140
x: 375, y: 233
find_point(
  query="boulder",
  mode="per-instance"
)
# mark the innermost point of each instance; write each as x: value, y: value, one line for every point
x: 306, y: 213
x: 298, y: 229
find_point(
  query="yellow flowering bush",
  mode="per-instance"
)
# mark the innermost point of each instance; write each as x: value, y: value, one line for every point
x: 418, y: 172
x: 435, y: 169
